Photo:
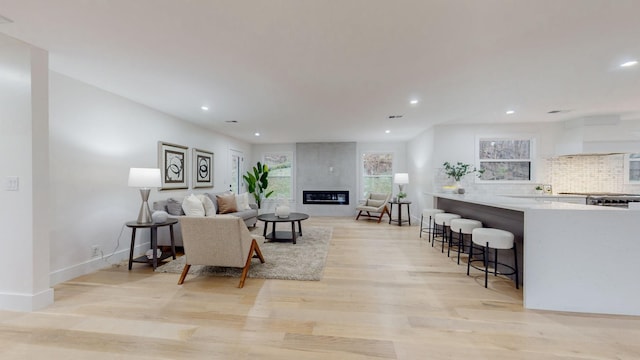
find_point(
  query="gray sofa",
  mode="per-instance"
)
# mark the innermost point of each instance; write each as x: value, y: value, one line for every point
x: 173, y: 206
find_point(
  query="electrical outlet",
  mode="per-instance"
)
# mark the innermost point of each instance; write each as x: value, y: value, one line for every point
x: 95, y: 251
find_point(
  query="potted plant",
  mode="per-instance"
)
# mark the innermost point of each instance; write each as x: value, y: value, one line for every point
x: 458, y: 171
x: 257, y: 182
x: 539, y: 189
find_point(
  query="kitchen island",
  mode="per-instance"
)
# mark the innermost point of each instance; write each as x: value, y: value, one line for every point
x: 575, y: 257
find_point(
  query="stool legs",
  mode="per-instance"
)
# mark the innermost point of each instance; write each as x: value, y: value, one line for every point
x: 459, y: 245
x: 485, y: 261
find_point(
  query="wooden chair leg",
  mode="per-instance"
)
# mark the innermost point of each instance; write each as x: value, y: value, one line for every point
x: 184, y: 274
x: 257, y: 251
x: 359, y: 213
x: 254, y: 248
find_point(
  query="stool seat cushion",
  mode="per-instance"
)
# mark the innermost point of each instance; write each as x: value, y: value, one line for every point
x: 445, y: 218
x: 496, y: 238
x: 464, y: 226
x: 431, y: 212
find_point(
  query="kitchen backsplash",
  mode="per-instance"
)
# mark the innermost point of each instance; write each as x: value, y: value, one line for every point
x: 595, y: 173
x: 584, y: 173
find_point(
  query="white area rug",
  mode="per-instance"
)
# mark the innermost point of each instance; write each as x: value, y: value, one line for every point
x: 283, y: 260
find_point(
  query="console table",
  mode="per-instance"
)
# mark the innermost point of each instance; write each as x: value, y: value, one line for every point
x: 153, y: 229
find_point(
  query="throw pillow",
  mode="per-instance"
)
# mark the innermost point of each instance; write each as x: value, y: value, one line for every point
x: 174, y: 207
x: 242, y: 201
x: 227, y: 204
x: 214, y: 201
x: 192, y: 206
x: 375, y: 203
x: 209, y: 208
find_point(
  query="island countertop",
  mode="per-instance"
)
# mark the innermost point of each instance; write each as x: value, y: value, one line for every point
x: 512, y: 202
x: 579, y: 258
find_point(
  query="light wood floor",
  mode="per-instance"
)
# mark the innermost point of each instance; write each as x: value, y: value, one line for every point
x: 386, y: 294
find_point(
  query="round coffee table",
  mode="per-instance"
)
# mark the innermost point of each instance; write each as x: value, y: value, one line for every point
x: 282, y: 235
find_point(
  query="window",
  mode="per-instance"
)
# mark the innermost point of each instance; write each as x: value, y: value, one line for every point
x: 505, y: 159
x: 280, y: 170
x: 633, y: 168
x: 377, y: 173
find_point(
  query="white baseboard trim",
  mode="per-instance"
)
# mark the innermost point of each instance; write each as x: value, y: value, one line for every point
x: 26, y: 302
x: 89, y: 266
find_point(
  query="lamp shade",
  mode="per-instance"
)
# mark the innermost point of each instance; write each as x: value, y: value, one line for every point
x: 401, y: 178
x: 144, y: 177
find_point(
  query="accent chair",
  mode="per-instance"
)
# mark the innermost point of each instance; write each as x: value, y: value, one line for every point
x: 221, y: 240
x: 375, y: 206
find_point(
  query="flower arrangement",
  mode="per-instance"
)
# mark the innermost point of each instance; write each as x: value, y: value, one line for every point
x: 459, y: 170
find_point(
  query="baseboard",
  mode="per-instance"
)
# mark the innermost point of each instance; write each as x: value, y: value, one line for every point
x: 89, y: 266
x: 26, y: 302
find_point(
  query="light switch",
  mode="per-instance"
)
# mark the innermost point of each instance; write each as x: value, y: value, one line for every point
x: 12, y: 183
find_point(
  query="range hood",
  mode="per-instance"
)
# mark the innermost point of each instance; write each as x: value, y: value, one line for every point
x: 598, y: 135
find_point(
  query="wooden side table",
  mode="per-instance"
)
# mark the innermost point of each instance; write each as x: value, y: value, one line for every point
x: 153, y: 229
x: 399, y: 220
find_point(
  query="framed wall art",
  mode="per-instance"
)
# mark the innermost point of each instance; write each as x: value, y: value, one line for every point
x: 202, y: 168
x: 172, y: 160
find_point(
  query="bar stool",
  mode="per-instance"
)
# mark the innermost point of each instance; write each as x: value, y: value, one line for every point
x: 443, y: 220
x: 461, y: 227
x: 428, y: 214
x: 496, y: 239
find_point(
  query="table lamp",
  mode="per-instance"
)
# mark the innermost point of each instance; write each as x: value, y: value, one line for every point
x: 401, y: 179
x: 145, y: 179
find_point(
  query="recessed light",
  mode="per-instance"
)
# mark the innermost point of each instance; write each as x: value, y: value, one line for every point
x: 256, y: 133
x: 629, y: 63
x: 387, y: 131
x: 205, y: 108
x: 509, y: 112
x: 413, y: 102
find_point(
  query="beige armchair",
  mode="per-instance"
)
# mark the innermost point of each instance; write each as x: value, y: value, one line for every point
x: 375, y: 206
x: 218, y: 241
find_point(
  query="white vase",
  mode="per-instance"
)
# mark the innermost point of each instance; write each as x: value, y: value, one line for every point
x: 282, y: 211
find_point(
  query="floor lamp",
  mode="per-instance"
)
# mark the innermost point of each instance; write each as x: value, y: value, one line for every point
x: 145, y: 179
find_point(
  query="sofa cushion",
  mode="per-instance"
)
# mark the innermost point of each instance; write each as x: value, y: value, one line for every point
x: 174, y: 207
x: 209, y: 208
x: 226, y: 203
x: 375, y: 203
x: 192, y: 206
x: 242, y: 201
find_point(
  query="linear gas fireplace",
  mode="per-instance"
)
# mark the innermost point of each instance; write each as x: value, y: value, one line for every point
x: 325, y: 197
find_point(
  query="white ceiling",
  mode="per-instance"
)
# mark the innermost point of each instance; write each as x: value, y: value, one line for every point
x: 335, y: 70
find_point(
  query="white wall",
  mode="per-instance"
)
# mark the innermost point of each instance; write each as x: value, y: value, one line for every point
x: 24, y: 282
x: 429, y: 150
x: 95, y: 138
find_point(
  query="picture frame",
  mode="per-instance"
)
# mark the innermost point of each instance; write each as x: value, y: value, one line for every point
x: 173, y: 164
x: 202, y: 168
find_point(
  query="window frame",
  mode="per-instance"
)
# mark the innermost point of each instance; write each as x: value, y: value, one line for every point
x: 627, y: 169
x: 514, y: 137
x: 361, y: 193
x: 290, y: 156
